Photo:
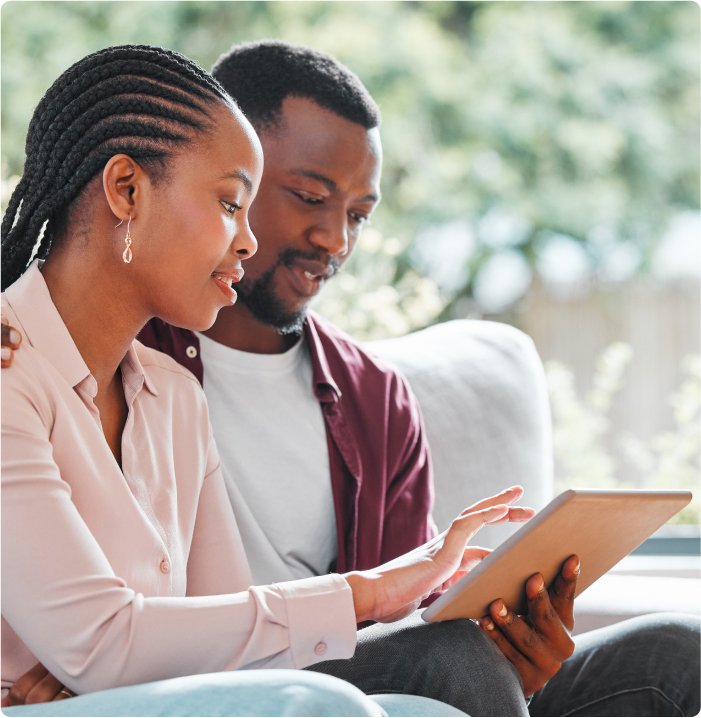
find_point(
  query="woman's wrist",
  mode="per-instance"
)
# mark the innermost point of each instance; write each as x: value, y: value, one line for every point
x: 364, y: 586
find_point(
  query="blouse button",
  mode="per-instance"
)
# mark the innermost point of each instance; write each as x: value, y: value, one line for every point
x: 320, y: 648
x: 191, y: 352
x: 165, y: 566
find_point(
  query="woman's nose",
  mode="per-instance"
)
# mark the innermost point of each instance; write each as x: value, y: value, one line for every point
x: 245, y: 244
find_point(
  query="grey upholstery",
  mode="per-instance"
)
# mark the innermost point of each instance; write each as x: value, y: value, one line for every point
x: 481, y: 388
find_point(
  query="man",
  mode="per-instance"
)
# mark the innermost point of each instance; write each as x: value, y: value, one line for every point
x: 348, y: 483
x: 323, y: 448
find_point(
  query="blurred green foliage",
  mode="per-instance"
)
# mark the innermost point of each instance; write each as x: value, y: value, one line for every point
x: 576, y: 118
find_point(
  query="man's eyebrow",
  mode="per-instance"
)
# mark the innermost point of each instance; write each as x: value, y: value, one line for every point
x: 239, y: 174
x: 330, y: 185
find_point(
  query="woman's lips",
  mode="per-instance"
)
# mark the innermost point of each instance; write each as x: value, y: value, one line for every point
x: 224, y: 280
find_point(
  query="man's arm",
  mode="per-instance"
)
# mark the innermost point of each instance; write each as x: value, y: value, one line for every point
x: 11, y: 339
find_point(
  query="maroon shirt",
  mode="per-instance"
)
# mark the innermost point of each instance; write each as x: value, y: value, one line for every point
x: 380, y: 464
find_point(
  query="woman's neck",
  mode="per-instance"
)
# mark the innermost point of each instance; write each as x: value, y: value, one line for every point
x: 98, y: 310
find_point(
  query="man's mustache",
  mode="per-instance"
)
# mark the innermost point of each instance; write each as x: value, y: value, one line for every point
x: 289, y: 255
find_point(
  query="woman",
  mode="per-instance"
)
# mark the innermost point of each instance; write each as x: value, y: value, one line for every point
x: 121, y: 560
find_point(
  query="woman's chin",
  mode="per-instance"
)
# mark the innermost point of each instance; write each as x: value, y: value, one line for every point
x: 195, y: 322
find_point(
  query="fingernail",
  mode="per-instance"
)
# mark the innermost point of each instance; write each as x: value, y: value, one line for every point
x: 540, y: 584
x: 15, y: 336
x: 575, y: 568
x: 5, y: 353
x: 503, y: 610
x: 488, y: 625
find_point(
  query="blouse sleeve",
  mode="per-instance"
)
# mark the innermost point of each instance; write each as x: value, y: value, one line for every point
x: 93, y: 632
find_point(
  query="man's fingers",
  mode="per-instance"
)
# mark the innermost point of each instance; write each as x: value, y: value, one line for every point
x: 563, y: 589
x: 44, y: 691
x: 519, y: 661
x: 524, y: 638
x: 10, y: 340
x: 10, y: 336
x: 24, y: 684
x: 544, y: 619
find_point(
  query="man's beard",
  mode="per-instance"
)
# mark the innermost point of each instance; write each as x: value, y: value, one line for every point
x: 265, y: 304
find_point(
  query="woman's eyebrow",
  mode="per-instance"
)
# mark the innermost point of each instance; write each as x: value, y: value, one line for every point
x: 239, y: 174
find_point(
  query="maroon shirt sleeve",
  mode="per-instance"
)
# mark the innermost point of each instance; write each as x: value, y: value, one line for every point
x: 409, y: 498
x: 380, y: 463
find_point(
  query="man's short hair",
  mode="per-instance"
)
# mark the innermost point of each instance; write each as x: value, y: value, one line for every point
x: 260, y: 75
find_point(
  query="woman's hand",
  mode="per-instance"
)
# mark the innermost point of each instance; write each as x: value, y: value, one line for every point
x: 397, y: 588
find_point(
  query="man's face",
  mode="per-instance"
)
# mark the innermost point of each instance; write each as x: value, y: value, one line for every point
x: 321, y: 181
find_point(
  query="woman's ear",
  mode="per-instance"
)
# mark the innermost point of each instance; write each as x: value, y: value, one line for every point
x: 124, y: 183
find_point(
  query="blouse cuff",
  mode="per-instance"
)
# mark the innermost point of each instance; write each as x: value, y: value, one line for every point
x: 321, y: 619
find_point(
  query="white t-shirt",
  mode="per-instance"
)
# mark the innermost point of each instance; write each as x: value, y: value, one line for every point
x: 271, y: 437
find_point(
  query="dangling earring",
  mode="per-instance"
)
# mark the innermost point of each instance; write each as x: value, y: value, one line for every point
x: 127, y: 240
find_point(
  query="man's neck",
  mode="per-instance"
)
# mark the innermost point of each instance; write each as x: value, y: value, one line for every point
x: 236, y: 328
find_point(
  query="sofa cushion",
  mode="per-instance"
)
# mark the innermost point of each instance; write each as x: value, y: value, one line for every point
x: 482, y: 391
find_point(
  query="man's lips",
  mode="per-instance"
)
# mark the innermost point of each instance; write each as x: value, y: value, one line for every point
x: 307, y: 275
x: 224, y: 281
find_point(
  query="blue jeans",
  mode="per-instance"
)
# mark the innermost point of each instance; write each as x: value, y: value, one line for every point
x: 643, y: 667
x: 241, y: 693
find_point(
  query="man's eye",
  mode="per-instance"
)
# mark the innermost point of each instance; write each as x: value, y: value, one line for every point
x: 309, y: 200
x: 229, y: 206
x: 359, y: 218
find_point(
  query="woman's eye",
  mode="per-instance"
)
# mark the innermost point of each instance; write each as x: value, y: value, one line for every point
x: 229, y: 206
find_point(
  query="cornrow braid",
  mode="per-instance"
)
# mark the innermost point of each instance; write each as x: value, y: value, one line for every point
x: 137, y: 100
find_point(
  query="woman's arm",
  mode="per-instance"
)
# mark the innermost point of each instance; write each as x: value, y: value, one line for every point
x: 88, y: 627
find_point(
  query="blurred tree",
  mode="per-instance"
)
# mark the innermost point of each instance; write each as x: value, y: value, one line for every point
x: 530, y: 123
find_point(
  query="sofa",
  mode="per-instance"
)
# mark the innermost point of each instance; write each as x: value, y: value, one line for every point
x: 482, y: 391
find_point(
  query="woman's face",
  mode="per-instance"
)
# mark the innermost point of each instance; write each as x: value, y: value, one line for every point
x: 191, y: 232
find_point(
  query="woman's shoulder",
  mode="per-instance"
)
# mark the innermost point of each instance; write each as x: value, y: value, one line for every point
x: 166, y: 378
x: 160, y: 364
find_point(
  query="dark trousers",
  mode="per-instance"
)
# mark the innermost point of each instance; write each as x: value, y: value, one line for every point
x: 648, y: 666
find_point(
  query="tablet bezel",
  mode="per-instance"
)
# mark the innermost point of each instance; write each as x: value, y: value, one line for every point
x: 619, y: 520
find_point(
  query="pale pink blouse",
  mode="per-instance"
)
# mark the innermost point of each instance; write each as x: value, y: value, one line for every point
x: 114, y: 577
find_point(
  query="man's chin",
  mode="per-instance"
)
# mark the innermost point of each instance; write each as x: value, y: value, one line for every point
x: 267, y: 308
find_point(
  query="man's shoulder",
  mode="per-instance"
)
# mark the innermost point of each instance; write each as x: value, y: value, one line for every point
x: 347, y: 355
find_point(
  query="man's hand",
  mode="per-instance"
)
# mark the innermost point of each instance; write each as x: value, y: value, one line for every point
x: 538, y: 643
x: 35, y: 686
x: 11, y: 339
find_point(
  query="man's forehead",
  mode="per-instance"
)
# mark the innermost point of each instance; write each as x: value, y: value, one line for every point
x: 310, y: 139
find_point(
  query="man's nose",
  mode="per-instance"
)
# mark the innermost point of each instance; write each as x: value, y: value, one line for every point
x: 331, y: 234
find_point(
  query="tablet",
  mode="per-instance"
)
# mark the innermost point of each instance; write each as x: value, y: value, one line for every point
x: 601, y: 526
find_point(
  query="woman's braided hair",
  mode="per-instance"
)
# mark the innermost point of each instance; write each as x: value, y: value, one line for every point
x: 133, y: 99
